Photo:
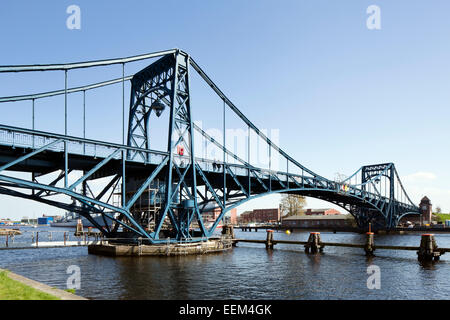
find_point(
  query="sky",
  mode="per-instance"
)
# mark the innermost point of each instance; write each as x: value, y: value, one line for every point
x: 339, y: 95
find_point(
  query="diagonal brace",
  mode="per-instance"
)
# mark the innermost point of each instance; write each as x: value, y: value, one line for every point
x: 94, y: 169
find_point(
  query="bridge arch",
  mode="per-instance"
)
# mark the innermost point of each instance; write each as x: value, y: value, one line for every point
x: 185, y: 181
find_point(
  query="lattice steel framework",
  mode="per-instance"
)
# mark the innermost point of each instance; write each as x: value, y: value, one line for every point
x: 186, y: 185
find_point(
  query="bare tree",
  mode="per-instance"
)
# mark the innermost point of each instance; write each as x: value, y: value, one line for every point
x: 292, y: 204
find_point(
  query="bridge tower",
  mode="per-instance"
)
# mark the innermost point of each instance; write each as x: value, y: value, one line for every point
x: 375, y: 174
x: 425, y: 208
x: 172, y: 197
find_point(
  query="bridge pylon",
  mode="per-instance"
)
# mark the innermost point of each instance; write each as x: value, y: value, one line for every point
x: 161, y: 87
x: 163, y: 194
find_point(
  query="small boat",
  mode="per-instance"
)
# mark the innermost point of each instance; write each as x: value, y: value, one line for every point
x: 10, y: 232
x: 70, y: 221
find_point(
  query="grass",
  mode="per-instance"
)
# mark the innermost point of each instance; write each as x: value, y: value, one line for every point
x: 14, y: 290
x: 441, y: 217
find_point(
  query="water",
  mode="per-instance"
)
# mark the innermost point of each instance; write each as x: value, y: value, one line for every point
x: 246, y: 272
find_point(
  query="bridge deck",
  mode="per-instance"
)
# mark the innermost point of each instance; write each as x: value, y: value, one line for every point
x: 84, y: 154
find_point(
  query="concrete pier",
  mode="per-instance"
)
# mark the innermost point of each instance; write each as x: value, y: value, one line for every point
x: 228, y: 232
x: 172, y: 249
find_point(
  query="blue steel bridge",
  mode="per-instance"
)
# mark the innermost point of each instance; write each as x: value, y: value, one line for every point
x: 160, y: 195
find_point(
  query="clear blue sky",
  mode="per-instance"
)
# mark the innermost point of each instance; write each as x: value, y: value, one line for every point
x: 341, y: 95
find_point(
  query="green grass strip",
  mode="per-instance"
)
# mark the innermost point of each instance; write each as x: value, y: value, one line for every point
x: 441, y: 217
x: 14, y: 290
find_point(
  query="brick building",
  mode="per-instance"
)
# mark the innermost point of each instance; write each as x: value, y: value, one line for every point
x: 426, y: 209
x: 318, y: 221
x: 210, y: 216
x: 260, y: 216
x: 321, y: 212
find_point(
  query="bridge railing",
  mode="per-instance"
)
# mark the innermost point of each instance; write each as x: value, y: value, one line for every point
x: 25, y: 138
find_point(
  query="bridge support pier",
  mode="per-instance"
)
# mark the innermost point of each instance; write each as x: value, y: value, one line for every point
x: 228, y: 231
x: 269, y: 240
x: 79, y: 229
x: 314, y: 243
x: 369, y: 247
x: 428, y: 249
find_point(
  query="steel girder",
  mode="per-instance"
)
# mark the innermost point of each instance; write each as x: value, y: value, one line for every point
x: 190, y: 185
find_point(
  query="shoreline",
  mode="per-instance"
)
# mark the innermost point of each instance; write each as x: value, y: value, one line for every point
x: 58, y: 293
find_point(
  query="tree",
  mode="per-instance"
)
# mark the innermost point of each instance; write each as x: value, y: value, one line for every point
x: 438, y: 209
x: 292, y: 204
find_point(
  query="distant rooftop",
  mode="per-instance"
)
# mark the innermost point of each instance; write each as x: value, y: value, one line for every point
x: 331, y: 217
x: 319, y: 210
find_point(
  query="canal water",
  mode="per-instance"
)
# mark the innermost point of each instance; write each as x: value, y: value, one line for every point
x: 246, y: 272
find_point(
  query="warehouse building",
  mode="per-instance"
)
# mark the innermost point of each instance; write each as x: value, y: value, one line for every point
x: 321, y: 221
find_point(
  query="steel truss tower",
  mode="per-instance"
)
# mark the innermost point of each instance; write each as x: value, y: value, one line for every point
x: 164, y: 87
x: 160, y: 195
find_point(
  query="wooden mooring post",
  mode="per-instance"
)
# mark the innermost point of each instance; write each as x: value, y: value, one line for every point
x: 369, y: 248
x: 314, y: 243
x: 428, y: 249
x: 269, y: 240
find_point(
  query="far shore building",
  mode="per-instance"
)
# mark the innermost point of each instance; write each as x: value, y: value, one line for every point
x: 318, y: 221
x: 323, y: 212
x: 425, y: 217
x: 272, y: 215
x: 213, y: 214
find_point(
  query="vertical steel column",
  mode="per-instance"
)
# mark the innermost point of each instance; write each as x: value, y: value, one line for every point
x: 32, y: 128
x: 32, y: 115
x: 248, y: 160
x: 123, y: 178
x: 65, y: 102
x: 123, y: 103
x: 84, y: 114
x: 224, y: 171
x: 66, y: 160
x: 32, y: 118
x: 303, y: 179
x: 168, y: 194
x: 84, y: 121
x: 66, y: 166
x: 270, y: 167
x: 192, y: 157
x: 287, y: 172
x: 392, y: 196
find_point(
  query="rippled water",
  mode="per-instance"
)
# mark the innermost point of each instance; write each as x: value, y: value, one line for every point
x: 246, y: 272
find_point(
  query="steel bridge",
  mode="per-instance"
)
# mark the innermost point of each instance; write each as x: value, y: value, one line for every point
x: 176, y: 185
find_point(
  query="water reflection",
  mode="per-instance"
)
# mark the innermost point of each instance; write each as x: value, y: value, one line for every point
x: 249, y: 271
x: 314, y: 261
